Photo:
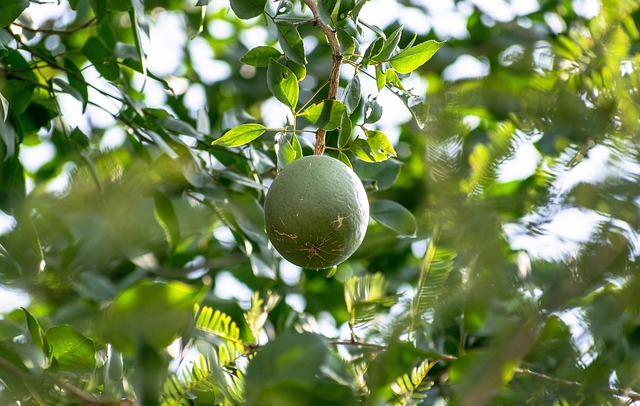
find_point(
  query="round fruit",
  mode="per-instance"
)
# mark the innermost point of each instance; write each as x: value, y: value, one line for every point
x: 316, y: 212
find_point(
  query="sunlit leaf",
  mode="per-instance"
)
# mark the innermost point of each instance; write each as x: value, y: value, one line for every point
x: 390, y: 45
x: 240, y: 135
x: 381, y: 147
x: 282, y: 83
x: 412, y: 58
x: 68, y: 350
x: 326, y: 114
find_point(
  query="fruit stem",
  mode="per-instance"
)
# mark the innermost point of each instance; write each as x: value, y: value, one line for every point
x: 334, y: 75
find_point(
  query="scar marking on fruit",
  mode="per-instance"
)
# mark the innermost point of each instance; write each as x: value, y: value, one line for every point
x: 339, y: 221
x: 280, y: 233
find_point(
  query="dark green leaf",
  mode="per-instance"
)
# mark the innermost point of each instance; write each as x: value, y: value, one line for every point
x: 411, y: 59
x: 166, y: 216
x: 346, y: 136
x: 372, y: 110
x: 325, y: 9
x: 69, y: 350
x: 37, y: 335
x: 352, y: 94
x: 286, y: 152
x: 10, y: 10
x: 291, y: 359
x: 291, y: 42
x: 282, y: 83
x: 344, y: 8
x: 18, y: 91
x: 4, y: 108
x: 203, y: 3
x: 179, y: 127
x: 260, y: 56
x: 327, y: 114
x: 240, y: 135
x: 299, y: 70
x: 347, y: 42
x: 384, y: 174
x: 247, y: 9
x: 394, y: 216
x: 76, y: 80
x: 101, y: 58
x: 390, y: 45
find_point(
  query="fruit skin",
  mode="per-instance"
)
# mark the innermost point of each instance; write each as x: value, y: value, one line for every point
x: 316, y: 212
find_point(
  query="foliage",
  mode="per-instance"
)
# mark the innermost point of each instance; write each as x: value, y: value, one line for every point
x: 139, y: 238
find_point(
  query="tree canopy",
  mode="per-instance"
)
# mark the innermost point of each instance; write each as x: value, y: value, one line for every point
x: 499, y: 148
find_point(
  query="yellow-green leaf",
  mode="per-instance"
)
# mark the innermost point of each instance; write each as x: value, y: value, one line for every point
x: 282, y: 83
x: 412, y: 58
x: 240, y: 135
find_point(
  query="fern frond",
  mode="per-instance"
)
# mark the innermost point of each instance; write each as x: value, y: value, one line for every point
x: 257, y: 315
x: 365, y: 296
x: 436, y: 266
x: 179, y: 386
x: 486, y: 158
x: 410, y: 388
x: 218, y: 324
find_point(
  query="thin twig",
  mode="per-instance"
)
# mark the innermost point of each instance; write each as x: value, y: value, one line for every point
x: 54, y: 31
x: 334, y: 76
x: 625, y: 393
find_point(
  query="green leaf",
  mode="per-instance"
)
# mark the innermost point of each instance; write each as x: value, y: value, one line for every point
x: 36, y: 332
x: 101, y: 58
x: 4, y: 108
x: 290, y: 359
x: 390, y: 45
x: 372, y: 110
x: 325, y: 9
x: 282, y: 83
x: 10, y: 10
x: 18, y: 91
x: 240, y: 135
x: 391, y: 77
x: 345, y: 160
x: 246, y: 9
x: 326, y: 114
x: 76, y: 80
x: 299, y: 70
x: 384, y: 174
x: 260, y: 56
x: 381, y: 78
x: 411, y: 59
x: 395, y: 217
x: 151, y: 313
x: 69, y: 350
x: 352, y: 94
x: 285, y: 152
x: 166, y: 216
x: 346, y: 136
x: 347, y: 42
x: 380, y: 145
x: 139, y: 27
x: 372, y: 50
x: 291, y: 42
x: 345, y: 8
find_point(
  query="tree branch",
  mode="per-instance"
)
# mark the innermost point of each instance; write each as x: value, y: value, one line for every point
x: 336, y: 61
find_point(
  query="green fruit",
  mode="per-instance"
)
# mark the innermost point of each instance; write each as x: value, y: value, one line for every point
x: 316, y: 212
